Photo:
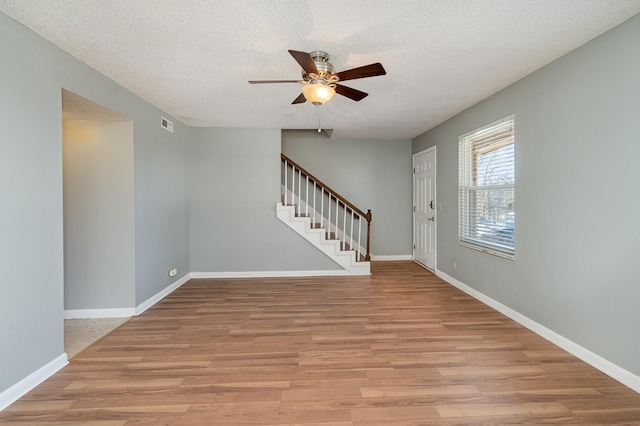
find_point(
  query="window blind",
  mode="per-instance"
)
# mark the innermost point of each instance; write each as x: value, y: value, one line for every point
x: 486, y: 218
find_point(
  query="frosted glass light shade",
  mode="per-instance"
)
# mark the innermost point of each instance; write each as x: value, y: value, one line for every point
x: 318, y: 94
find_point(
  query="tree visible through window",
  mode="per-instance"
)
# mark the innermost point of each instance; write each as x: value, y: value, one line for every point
x: 486, y: 216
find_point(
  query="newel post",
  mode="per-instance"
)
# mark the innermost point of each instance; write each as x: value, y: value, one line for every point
x: 368, y: 256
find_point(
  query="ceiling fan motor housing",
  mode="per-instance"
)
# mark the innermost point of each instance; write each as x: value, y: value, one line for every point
x: 325, y: 68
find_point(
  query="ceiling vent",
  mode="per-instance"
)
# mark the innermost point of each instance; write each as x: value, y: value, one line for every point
x: 166, y: 124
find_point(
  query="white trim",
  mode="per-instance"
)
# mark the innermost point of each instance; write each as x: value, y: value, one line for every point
x: 161, y: 295
x: 18, y: 390
x: 125, y: 312
x: 488, y: 126
x: 269, y: 274
x: 99, y: 313
x: 390, y: 257
x: 625, y: 377
x: 423, y: 266
x: 487, y: 250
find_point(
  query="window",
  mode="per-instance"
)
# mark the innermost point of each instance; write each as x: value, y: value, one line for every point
x: 486, y: 188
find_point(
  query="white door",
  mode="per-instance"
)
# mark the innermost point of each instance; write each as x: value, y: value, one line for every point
x: 424, y: 207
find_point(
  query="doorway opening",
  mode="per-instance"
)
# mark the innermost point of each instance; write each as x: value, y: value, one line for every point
x: 99, y: 270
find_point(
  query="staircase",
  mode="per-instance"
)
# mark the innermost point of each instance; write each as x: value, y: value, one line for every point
x: 324, y: 218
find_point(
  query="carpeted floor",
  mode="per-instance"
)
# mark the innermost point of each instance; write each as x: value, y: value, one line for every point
x: 79, y: 334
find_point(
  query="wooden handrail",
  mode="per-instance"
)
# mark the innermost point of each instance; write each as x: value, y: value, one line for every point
x: 327, y: 187
x: 347, y: 203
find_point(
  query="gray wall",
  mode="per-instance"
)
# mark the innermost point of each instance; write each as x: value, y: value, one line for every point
x: 99, y: 244
x: 30, y: 207
x: 577, y: 150
x: 32, y: 74
x: 160, y: 177
x: 373, y: 174
x: 235, y: 185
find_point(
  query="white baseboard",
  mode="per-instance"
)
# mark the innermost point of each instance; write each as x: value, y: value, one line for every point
x: 125, y: 312
x: 99, y: 313
x: 16, y: 391
x: 269, y: 274
x: 161, y: 295
x: 390, y: 257
x: 607, y: 367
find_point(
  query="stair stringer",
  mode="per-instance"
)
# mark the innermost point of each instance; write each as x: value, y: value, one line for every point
x: 316, y: 236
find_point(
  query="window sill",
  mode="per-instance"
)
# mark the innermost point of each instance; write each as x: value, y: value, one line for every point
x: 487, y: 250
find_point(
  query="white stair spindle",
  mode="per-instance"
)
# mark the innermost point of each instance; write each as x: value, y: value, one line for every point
x: 314, y: 204
x: 337, y: 218
x: 299, y: 190
x: 293, y: 185
x: 329, y: 217
x: 351, y: 230
x: 359, y: 231
x: 344, y: 229
x: 322, y: 208
x: 286, y: 184
x: 289, y: 192
x: 306, y: 200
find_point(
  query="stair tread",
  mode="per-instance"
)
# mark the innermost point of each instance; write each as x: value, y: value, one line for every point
x: 357, y: 263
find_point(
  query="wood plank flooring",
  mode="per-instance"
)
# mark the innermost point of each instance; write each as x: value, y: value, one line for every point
x: 401, y: 347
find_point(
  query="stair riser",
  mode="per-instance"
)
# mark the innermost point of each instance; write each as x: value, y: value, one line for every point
x: 318, y: 237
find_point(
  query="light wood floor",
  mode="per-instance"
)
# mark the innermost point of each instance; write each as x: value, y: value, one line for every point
x: 398, y: 348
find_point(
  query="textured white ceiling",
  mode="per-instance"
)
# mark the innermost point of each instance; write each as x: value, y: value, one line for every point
x: 76, y: 107
x: 193, y: 58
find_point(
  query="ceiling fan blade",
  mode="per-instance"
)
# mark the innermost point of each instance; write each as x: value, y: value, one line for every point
x: 305, y: 60
x: 299, y: 100
x: 272, y: 81
x: 350, y: 93
x: 371, y: 70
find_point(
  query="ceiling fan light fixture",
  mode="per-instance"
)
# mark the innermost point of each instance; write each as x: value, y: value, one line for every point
x: 318, y: 94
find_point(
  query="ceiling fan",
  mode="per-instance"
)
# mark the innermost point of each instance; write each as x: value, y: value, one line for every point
x: 319, y: 81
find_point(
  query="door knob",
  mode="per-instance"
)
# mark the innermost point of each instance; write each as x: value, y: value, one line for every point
x: 432, y: 219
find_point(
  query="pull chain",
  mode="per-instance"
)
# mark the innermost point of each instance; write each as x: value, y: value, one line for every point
x: 318, y: 113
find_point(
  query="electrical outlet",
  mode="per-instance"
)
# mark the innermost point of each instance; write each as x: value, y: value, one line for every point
x: 173, y: 272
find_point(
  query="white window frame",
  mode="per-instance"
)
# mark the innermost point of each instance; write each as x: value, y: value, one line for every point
x: 466, y: 187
